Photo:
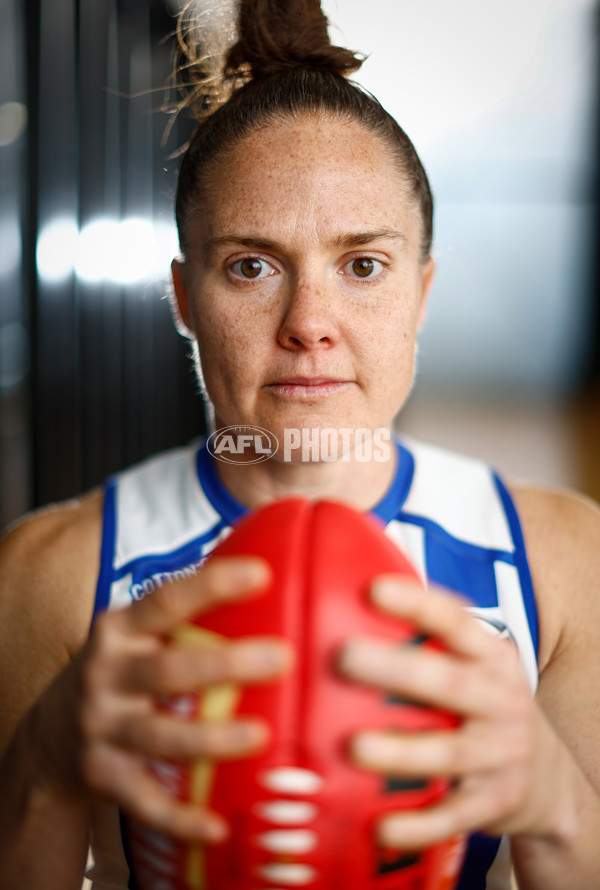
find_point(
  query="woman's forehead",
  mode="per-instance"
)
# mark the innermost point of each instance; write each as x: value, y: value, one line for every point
x: 311, y: 145
x: 312, y: 174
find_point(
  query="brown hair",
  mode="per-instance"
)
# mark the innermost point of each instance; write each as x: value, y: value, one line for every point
x: 282, y: 65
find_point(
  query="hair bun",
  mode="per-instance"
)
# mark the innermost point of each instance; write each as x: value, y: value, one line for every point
x: 276, y: 35
x: 222, y: 44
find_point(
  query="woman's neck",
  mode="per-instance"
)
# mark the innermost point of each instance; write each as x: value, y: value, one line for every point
x: 358, y: 483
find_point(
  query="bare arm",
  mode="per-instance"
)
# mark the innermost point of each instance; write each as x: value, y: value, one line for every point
x: 563, y: 540
x: 49, y: 565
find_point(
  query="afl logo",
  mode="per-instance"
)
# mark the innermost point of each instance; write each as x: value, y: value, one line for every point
x: 242, y: 444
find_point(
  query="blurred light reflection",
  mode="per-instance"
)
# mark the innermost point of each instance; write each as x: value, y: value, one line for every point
x: 56, y: 249
x: 125, y: 251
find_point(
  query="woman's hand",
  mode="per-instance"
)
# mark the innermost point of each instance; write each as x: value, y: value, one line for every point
x: 497, y: 758
x: 108, y: 695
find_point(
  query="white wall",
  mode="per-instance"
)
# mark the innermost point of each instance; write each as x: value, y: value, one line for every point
x: 499, y: 100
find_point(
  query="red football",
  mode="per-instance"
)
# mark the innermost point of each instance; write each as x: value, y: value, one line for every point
x: 302, y: 814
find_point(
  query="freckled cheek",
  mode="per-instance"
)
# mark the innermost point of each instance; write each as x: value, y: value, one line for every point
x: 389, y: 338
x: 230, y: 355
x: 389, y: 353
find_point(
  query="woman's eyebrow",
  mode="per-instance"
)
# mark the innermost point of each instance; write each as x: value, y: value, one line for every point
x: 245, y: 240
x: 357, y: 239
x: 347, y: 240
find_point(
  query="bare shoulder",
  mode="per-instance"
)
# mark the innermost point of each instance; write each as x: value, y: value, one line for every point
x: 562, y: 537
x: 49, y: 564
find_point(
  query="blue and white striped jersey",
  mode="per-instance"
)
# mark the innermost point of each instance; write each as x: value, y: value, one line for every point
x: 450, y: 514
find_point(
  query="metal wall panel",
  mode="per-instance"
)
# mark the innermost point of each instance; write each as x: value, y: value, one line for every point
x: 113, y: 383
x: 14, y: 308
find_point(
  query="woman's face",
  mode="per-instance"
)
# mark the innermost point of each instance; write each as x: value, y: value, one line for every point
x: 303, y: 283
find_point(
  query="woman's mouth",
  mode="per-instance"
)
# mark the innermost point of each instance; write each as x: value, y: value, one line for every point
x: 307, y: 387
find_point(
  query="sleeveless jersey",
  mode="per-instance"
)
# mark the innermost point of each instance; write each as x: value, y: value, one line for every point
x: 451, y: 515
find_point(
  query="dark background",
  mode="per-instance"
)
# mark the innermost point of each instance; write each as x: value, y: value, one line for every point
x: 95, y: 375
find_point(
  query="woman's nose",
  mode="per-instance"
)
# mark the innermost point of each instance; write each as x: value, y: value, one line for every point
x: 309, y: 320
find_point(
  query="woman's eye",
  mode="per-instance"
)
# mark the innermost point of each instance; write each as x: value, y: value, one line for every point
x: 252, y: 268
x: 364, y: 267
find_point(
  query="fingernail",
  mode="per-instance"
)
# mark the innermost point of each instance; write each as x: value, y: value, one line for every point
x: 262, y: 658
x: 369, y: 747
x: 389, y: 832
x: 249, y: 571
x: 358, y: 656
x: 249, y: 734
x: 214, y: 830
x: 390, y: 592
x: 385, y: 591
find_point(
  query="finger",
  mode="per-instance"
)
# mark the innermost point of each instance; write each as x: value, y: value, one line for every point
x: 219, y: 581
x: 451, y: 753
x: 182, y: 668
x: 167, y: 737
x: 428, y: 677
x: 435, y: 613
x: 121, y: 778
x: 469, y: 807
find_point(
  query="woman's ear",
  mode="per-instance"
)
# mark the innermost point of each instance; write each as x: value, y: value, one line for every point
x: 180, y: 300
x: 428, y: 274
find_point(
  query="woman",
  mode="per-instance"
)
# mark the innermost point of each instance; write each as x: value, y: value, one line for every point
x: 305, y: 225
